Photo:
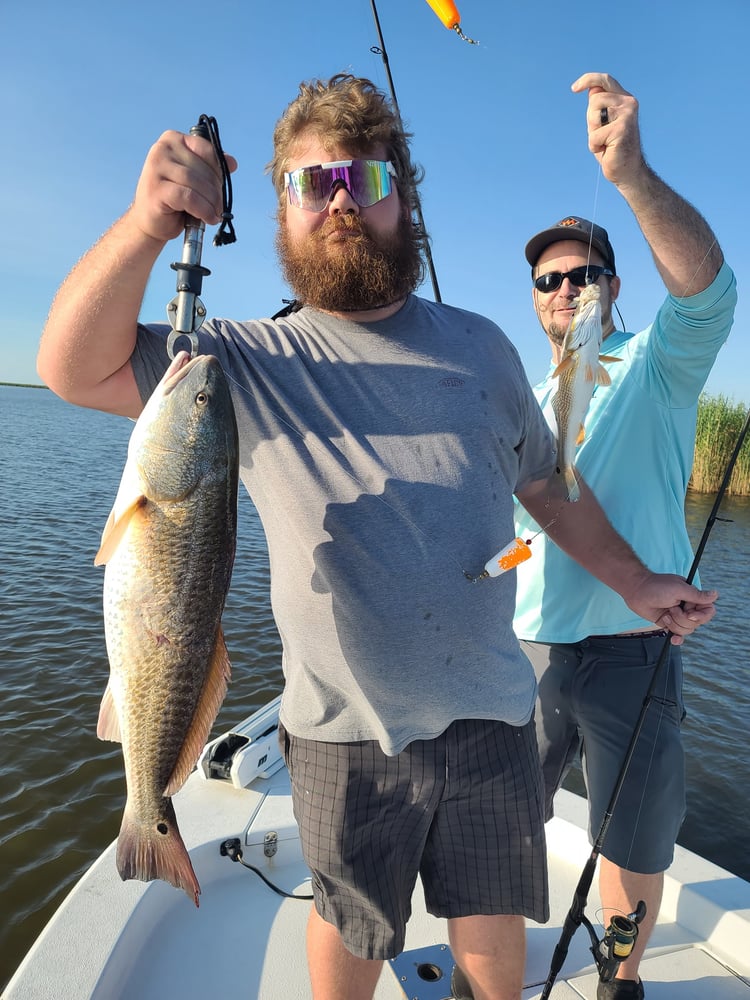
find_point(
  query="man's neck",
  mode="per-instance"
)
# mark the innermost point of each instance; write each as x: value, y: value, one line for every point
x: 368, y: 315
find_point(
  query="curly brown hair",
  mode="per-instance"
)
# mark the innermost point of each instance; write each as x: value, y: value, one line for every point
x: 345, y: 111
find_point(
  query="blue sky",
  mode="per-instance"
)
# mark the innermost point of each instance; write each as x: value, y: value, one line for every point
x: 87, y: 87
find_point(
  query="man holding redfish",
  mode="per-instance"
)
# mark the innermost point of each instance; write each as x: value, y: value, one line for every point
x: 382, y: 438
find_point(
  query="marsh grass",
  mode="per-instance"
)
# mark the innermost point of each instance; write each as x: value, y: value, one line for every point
x: 720, y: 422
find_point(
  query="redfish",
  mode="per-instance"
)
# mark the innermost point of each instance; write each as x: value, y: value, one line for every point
x: 578, y: 374
x: 169, y: 548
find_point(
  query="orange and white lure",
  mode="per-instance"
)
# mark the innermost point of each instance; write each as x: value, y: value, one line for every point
x: 515, y: 552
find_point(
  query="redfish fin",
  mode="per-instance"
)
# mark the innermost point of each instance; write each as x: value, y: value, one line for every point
x: 581, y: 435
x: 108, y: 726
x: 562, y: 367
x: 115, y: 529
x: 206, y: 711
x: 602, y: 376
x: 608, y: 357
x: 146, y: 853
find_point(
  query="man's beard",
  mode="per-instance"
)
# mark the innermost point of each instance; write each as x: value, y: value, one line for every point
x: 361, y: 272
x: 556, y: 333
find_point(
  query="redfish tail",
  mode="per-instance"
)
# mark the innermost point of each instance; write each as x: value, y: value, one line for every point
x: 157, y: 851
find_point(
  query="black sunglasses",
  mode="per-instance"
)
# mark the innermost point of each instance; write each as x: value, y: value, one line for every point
x: 579, y: 276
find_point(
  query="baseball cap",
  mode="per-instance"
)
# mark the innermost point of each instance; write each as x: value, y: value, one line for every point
x: 572, y: 228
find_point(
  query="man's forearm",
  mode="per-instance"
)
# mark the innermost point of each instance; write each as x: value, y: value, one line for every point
x: 682, y: 243
x: 583, y: 531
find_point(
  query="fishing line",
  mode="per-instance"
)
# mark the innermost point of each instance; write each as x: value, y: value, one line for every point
x: 593, y: 212
x: 599, y: 174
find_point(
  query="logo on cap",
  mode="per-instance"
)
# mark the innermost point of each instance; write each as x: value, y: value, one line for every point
x: 570, y: 221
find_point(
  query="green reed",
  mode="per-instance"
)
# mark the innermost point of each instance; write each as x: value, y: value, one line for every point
x: 719, y: 424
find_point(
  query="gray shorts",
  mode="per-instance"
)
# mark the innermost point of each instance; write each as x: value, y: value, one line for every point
x: 590, y: 696
x: 464, y: 811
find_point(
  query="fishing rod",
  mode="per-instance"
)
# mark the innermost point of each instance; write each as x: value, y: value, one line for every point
x: 186, y: 312
x: 381, y: 51
x: 622, y: 932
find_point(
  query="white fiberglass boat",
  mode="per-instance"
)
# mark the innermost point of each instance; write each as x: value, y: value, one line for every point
x: 136, y: 941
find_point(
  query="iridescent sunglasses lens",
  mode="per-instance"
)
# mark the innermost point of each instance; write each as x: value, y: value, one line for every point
x: 367, y: 181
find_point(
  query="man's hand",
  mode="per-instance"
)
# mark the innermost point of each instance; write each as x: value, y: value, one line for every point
x: 673, y: 604
x: 614, y: 136
x: 180, y: 177
x: 684, y: 248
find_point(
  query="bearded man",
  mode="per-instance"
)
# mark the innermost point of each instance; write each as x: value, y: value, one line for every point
x: 382, y: 438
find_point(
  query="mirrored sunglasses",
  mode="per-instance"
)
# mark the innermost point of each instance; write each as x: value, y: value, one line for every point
x: 367, y: 181
x: 579, y: 276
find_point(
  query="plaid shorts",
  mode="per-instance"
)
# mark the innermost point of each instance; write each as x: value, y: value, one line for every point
x: 464, y: 811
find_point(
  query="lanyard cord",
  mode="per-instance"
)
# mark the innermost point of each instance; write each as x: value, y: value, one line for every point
x: 208, y: 127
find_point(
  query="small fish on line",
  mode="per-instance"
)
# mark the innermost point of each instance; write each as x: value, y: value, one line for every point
x: 169, y: 548
x: 578, y: 373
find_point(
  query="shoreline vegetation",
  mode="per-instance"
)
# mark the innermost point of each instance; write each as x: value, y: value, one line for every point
x: 720, y: 421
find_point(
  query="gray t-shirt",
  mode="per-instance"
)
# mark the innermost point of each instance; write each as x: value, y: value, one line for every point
x: 382, y: 458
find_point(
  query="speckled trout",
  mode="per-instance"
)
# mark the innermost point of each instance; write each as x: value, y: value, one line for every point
x: 169, y: 547
x: 578, y: 374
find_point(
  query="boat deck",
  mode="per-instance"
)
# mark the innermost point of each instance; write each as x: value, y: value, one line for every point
x: 245, y: 940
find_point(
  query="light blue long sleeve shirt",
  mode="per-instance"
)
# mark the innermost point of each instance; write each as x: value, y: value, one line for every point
x: 637, y: 457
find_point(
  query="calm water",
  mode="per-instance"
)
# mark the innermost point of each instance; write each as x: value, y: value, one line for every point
x: 62, y: 790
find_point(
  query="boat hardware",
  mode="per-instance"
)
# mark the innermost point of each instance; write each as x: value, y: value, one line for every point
x: 424, y: 973
x: 249, y: 751
x: 270, y: 844
x: 232, y: 849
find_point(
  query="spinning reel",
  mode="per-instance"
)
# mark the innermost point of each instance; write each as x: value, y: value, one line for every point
x: 617, y: 943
